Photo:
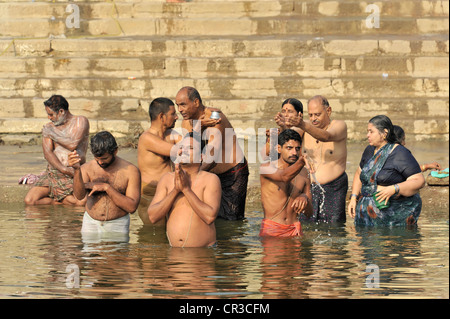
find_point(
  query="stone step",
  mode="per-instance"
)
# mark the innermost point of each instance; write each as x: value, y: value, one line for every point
x: 250, y: 67
x: 228, y: 47
x: 241, y: 88
x: 220, y: 9
x: 221, y: 27
x: 128, y: 131
x: 137, y: 108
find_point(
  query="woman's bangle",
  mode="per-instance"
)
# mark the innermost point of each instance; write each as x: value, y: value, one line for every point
x: 397, y: 189
x: 353, y: 195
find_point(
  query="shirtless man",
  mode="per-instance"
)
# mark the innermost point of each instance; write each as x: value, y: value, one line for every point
x: 154, y: 149
x: 325, y: 149
x: 286, y: 189
x: 223, y: 155
x: 111, y: 184
x: 189, y: 199
x: 65, y: 133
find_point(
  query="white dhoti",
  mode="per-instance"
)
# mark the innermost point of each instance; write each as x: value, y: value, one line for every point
x: 111, y: 230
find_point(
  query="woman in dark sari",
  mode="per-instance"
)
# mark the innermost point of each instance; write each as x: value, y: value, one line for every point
x: 388, y: 174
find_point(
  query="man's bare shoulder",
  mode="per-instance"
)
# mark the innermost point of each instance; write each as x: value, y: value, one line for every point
x: 210, y: 109
x: 148, y: 138
x: 338, y: 124
x: 90, y: 166
x: 147, y: 135
x: 128, y: 165
x: 209, y: 177
x: 81, y: 118
x: 166, y: 178
x: 49, y: 125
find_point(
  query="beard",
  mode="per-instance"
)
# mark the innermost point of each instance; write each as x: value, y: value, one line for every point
x: 60, y: 121
x: 105, y: 165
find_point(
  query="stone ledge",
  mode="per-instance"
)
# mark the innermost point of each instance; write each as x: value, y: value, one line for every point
x: 434, y: 181
x: 226, y: 67
x: 229, y: 88
x: 221, y: 27
x: 192, y: 9
x: 255, y: 46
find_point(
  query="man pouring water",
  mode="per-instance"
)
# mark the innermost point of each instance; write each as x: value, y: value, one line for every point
x: 325, y: 149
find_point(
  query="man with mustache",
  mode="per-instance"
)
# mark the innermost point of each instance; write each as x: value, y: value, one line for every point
x: 285, y: 189
x: 63, y: 134
x: 154, y: 149
x: 325, y: 149
x: 111, y: 186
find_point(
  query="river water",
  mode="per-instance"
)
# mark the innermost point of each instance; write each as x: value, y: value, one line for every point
x: 44, y: 256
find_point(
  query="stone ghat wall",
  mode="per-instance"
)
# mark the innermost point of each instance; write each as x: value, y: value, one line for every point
x: 111, y: 58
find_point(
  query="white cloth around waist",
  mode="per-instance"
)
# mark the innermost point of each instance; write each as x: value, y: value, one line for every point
x: 118, y: 225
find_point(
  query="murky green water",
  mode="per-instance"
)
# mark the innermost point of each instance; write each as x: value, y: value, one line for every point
x: 41, y: 249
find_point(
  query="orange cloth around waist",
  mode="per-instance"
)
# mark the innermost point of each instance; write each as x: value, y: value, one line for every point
x: 271, y: 228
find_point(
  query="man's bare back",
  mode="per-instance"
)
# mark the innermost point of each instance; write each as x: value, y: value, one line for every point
x: 152, y: 159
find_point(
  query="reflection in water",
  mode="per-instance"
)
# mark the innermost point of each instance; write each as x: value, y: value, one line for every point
x: 393, y: 250
x: 37, y: 244
x: 285, y: 268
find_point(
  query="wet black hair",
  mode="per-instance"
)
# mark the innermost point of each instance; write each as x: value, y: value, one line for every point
x: 158, y: 106
x: 102, y: 143
x: 288, y: 135
x: 56, y: 103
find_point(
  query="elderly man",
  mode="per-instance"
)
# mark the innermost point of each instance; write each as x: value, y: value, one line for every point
x: 64, y: 134
x: 325, y: 149
x: 223, y: 156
